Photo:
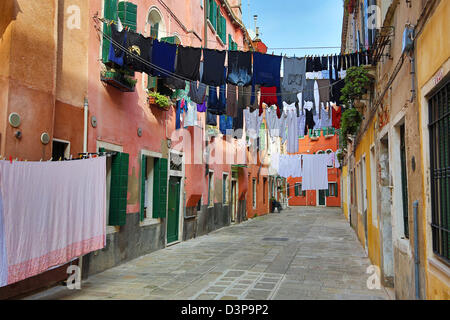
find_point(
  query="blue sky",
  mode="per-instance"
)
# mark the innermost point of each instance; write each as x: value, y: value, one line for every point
x: 296, y: 23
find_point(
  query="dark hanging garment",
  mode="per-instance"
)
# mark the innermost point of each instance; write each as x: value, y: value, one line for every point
x: 354, y: 59
x: 349, y: 61
x: 309, y: 122
x: 116, y: 54
x: 309, y: 64
x: 163, y: 56
x: 308, y: 90
x: 335, y: 67
x: 336, y: 87
x: 238, y: 124
x: 317, y: 64
x: 369, y: 57
x: 239, y: 68
x: 175, y: 83
x: 232, y: 108
x: 211, y: 119
x: 266, y: 72
x: 138, y: 46
x: 197, y: 92
x: 245, y: 97
x: 324, y: 90
x: 324, y: 63
x: 188, y: 63
x: 344, y: 62
x: 330, y: 67
x: 339, y: 62
x: 217, y: 105
x: 213, y: 64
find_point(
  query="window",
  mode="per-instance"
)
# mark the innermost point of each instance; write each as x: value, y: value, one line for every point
x: 60, y: 150
x: 404, y: 181
x: 153, y: 187
x: 439, y: 128
x: 211, y: 189
x: 225, y: 189
x: 254, y: 193
x: 298, y: 190
x: 288, y: 190
x: 264, y: 189
x: 332, y: 190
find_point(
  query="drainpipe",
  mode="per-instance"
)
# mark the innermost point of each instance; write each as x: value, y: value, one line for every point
x: 86, y: 112
x: 85, y: 132
x: 413, y: 75
x: 416, y: 248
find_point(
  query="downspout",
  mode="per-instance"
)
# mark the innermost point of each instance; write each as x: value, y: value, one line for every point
x: 85, y: 134
x: 416, y: 249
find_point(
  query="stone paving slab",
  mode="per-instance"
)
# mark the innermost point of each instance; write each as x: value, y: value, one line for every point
x: 300, y: 254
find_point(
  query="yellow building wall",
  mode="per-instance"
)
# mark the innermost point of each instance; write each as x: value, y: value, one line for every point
x: 344, y: 191
x: 432, y: 52
x: 373, y: 234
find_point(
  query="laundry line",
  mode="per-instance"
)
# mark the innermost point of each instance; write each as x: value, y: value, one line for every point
x: 175, y: 76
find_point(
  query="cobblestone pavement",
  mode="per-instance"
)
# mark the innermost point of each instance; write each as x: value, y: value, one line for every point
x: 301, y: 253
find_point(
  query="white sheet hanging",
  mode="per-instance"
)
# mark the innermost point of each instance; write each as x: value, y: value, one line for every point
x: 315, y: 172
x: 52, y: 212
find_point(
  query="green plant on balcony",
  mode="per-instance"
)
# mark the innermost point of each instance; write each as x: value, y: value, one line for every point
x: 162, y: 101
x: 121, y: 79
x: 350, y: 122
x: 357, y: 83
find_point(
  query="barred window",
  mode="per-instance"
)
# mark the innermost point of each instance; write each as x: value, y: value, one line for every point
x: 439, y: 129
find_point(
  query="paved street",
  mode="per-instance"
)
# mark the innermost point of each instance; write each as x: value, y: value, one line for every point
x: 302, y: 253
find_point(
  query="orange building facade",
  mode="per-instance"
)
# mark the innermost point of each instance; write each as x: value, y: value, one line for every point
x: 325, y: 198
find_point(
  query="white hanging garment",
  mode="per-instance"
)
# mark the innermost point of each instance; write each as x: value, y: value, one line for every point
x: 315, y: 172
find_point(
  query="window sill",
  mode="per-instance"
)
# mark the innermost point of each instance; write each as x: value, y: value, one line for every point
x: 439, y: 266
x: 404, y: 246
x: 111, y: 229
x: 211, y: 26
x: 149, y: 222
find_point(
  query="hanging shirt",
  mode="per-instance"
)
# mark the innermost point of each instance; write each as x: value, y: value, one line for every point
x: 163, y: 56
x: 239, y: 68
x: 232, y: 105
x: 301, y: 125
x: 238, y: 124
x: 336, y: 117
x: 211, y: 119
x: 315, y: 172
x: 245, y: 95
x: 226, y: 124
x: 272, y: 122
x: 115, y: 53
x: 292, y: 145
x: 324, y: 90
x: 188, y: 63
x: 293, y: 78
x: 201, y: 107
x: 283, y: 123
x: 325, y: 117
x: 309, y: 120
x: 140, y: 46
x: 269, y: 97
x: 308, y: 90
x: 316, y: 96
x: 213, y: 64
x: 197, y: 92
x: 191, y: 115
x: 266, y: 72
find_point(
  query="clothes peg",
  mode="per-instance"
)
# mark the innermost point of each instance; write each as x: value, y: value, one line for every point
x: 40, y: 160
x: 50, y: 159
x: 10, y: 159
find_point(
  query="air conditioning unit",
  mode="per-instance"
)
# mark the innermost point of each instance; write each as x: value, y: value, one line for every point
x: 408, y: 39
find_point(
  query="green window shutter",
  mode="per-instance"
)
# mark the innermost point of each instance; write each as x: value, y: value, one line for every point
x: 143, y: 176
x: 262, y: 137
x: 152, y: 82
x: 335, y: 189
x: 222, y: 27
x: 213, y: 14
x: 119, y: 188
x: 303, y: 193
x: 235, y: 46
x: 160, y: 188
x: 230, y: 42
x: 296, y: 190
x: 127, y: 13
x: 327, y: 193
x: 288, y: 190
x: 109, y: 13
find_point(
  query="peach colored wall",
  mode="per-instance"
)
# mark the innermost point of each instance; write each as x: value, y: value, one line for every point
x: 119, y: 115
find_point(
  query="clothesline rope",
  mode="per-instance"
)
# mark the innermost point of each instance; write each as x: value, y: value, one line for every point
x: 176, y: 76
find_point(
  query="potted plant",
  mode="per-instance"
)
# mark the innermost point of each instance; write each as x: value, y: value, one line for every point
x: 159, y: 100
x: 357, y: 83
x: 350, y: 121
